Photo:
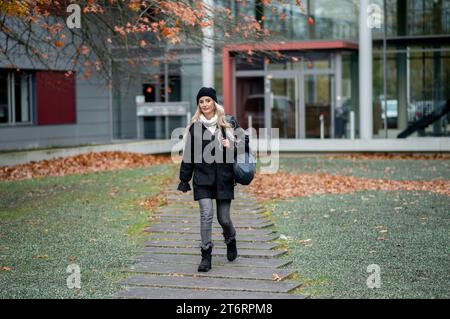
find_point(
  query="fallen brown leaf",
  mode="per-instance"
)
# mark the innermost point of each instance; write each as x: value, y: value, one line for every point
x: 41, y: 257
x: 83, y: 163
x: 276, y: 277
x: 284, y: 185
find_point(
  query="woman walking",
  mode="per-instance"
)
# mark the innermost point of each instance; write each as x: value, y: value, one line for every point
x: 209, y: 145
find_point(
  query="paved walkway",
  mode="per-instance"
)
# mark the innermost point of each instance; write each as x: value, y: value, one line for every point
x: 167, y: 267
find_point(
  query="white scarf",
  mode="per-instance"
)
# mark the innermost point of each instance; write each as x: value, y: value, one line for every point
x: 210, y: 124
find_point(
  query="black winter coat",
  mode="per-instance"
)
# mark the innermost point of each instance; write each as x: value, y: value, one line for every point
x: 212, y: 179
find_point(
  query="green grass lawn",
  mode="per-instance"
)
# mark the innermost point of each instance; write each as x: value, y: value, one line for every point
x: 332, y: 239
x: 93, y: 220
x: 395, y: 169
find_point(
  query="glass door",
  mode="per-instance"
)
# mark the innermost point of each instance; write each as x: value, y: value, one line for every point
x: 282, y: 105
x: 318, y: 104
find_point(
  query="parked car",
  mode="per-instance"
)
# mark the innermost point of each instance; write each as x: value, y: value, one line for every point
x: 282, y: 112
x: 392, y: 113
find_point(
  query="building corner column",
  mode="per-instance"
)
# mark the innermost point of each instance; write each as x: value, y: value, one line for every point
x: 208, y: 61
x: 365, y: 73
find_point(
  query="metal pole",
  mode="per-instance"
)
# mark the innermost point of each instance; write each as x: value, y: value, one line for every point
x: 322, y: 135
x: 352, y: 125
x: 385, y: 68
x: 338, y: 81
x: 110, y: 100
x: 365, y: 73
x: 250, y: 125
x: 166, y: 127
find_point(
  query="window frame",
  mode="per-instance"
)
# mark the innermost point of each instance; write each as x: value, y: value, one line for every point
x: 10, y: 82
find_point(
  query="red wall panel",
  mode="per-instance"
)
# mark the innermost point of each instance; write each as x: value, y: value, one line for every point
x: 55, y: 96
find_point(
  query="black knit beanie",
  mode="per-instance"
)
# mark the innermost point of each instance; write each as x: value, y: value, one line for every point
x: 204, y: 91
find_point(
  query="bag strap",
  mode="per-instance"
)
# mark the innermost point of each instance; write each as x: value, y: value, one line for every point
x: 228, y: 119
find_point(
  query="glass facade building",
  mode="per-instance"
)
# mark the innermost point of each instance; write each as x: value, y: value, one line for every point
x: 308, y: 86
x: 411, y: 69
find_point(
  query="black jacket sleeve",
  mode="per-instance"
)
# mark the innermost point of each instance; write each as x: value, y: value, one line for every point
x: 187, y: 164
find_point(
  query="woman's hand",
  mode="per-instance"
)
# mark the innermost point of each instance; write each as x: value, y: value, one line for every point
x: 225, y: 142
x: 184, y: 187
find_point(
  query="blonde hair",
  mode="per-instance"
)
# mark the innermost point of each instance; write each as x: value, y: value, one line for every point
x: 221, y: 121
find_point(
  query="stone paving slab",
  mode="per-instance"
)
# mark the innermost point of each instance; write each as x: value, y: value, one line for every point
x: 176, y: 218
x: 216, y: 252
x: 240, y: 237
x: 218, y: 271
x: 183, y: 293
x: 215, y: 224
x: 196, y: 230
x: 240, y: 202
x: 167, y: 266
x: 192, y: 210
x: 196, y: 244
x: 196, y: 220
x: 215, y: 227
x: 211, y: 283
x: 216, y: 260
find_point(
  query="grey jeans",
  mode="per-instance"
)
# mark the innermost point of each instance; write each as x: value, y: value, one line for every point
x: 223, y: 216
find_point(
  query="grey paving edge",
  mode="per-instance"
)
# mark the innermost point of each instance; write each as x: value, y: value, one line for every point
x: 182, y: 293
x: 211, y: 283
x: 216, y: 252
x: 185, y: 236
x: 218, y: 271
x: 216, y: 261
x: 196, y: 244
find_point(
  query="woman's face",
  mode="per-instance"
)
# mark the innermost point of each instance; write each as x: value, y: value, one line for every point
x: 207, y: 106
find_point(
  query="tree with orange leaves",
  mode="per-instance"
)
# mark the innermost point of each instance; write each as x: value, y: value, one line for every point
x: 38, y: 30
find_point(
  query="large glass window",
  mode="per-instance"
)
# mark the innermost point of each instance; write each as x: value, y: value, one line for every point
x: 418, y: 17
x: 411, y: 90
x: 312, y: 96
x: 428, y: 17
x: 22, y: 101
x: 348, y: 97
x: 333, y: 20
x: 15, y: 97
x: 321, y: 19
x: 191, y: 81
x: 250, y: 101
x: 318, y: 105
x: 417, y: 92
x: 155, y: 90
x: 282, y: 106
x: 4, y: 89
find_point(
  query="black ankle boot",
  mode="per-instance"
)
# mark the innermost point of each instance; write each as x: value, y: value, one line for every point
x: 232, y: 250
x: 205, y: 264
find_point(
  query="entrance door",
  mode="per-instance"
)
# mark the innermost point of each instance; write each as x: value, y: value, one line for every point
x: 282, y: 105
x: 296, y: 98
x: 318, y: 101
x: 294, y: 104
